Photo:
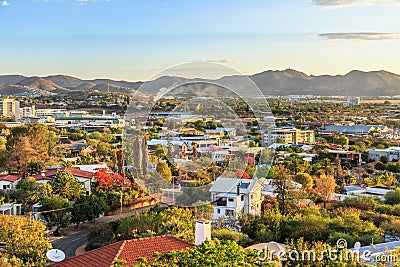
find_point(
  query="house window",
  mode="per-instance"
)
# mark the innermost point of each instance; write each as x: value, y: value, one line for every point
x: 251, y: 196
x: 230, y: 199
x: 4, y: 186
x: 242, y: 197
x: 218, y: 211
x: 229, y: 212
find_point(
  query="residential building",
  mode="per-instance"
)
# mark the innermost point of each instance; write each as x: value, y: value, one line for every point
x: 351, y: 158
x: 10, y: 209
x: 353, y: 101
x: 28, y: 112
x: 8, y: 182
x: 53, y: 112
x: 84, y: 177
x: 231, y: 196
x: 392, y: 153
x: 9, y: 108
x: 289, y: 136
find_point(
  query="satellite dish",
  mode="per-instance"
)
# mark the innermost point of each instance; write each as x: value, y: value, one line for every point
x: 357, y: 246
x: 55, y: 255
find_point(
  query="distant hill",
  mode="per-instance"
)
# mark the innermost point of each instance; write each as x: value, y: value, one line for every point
x: 271, y: 82
x: 85, y: 86
x: 41, y: 84
x: 64, y: 80
x: 11, y: 79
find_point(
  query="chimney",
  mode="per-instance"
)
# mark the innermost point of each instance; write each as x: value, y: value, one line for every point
x: 203, y: 231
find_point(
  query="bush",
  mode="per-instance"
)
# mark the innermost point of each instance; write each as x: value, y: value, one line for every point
x: 227, y: 234
x: 335, y: 236
x: 385, y: 209
x: 393, y: 197
x: 100, y: 236
x: 359, y: 202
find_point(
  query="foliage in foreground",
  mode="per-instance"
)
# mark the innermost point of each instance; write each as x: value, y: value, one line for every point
x: 26, y: 243
x: 219, y: 253
x: 210, y: 253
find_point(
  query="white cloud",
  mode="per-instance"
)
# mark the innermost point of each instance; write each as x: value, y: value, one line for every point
x: 343, y: 3
x: 360, y: 36
x: 4, y: 3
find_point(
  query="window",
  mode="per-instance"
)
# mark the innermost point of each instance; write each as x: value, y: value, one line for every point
x: 230, y: 199
x: 229, y: 212
x: 218, y: 211
x: 242, y: 197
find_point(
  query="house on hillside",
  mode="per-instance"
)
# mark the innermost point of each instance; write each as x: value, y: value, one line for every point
x: 8, y: 182
x: 230, y: 197
x: 84, y: 177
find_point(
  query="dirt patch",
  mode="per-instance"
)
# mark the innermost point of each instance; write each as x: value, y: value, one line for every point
x: 80, y: 250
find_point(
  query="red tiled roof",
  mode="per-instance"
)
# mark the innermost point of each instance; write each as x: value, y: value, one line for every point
x: 9, y: 177
x: 128, y: 250
x: 101, y: 257
x: 51, y: 174
x: 145, y: 247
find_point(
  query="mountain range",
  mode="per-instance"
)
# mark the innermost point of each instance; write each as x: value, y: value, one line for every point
x: 271, y: 82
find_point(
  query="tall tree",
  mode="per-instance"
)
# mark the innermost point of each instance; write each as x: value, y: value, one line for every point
x: 145, y: 156
x: 287, y: 192
x: 20, y: 154
x: 325, y: 185
x: 137, y: 153
x: 28, y: 191
x: 67, y: 186
x: 164, y: 171
x: 304, y: 179
x: 25, y: 240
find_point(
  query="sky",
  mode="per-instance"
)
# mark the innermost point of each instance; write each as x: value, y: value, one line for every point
x: 135, y: 39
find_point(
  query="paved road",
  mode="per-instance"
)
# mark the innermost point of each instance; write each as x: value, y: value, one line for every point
x: 70, y: 243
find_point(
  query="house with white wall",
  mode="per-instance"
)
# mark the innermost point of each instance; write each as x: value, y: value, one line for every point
x: 231, y: 196
x: 9, y: 181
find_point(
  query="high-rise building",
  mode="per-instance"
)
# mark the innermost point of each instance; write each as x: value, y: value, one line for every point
x: 289, y: 136
x: 9, y: 108
x: 353, y: 101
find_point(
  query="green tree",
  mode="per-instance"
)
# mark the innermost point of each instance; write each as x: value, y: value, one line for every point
x: 287, y: 192
x: 393, y: 197
x: 25, y: 240
x: 341, y: 140
x: 326, y: 187
x: 28, y: 191
x: 211, y: 253
x: 232, y: 235
x: 54, y: 209
x: 67, y: 186
x: 305, y: 180
x: 164, y: 171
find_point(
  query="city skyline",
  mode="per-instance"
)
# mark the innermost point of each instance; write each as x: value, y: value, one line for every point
x: 133, y: 40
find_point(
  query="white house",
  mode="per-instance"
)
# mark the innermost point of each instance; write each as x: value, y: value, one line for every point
x: 392, y: 153
x: 9, y: 181
x: 82, y: 176
x: 231, y: 196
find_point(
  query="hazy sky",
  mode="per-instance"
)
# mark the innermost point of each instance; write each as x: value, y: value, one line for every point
x: 135, y: 39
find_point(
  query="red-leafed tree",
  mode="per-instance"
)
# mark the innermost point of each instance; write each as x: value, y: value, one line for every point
x: 242, y: 174
x: 110, y: 180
